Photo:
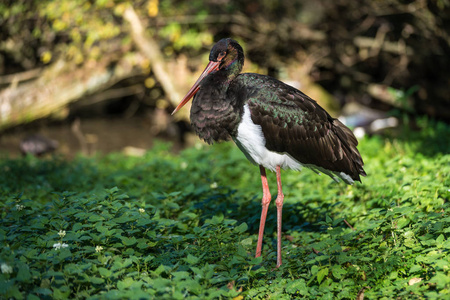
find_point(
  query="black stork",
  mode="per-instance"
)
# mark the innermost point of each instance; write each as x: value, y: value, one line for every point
x: 274, y: 124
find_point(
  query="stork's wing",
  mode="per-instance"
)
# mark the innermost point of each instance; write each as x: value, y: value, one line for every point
x: 295, y: 124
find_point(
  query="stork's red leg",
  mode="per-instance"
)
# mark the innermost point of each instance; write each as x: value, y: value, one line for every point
x: 279, y: 203
x: 265, y: 205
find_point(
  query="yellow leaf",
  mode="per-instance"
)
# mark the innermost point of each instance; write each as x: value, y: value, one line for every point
x: 46, y: 57
x: 149, y: 82
x: 145, y: 65
x: 161, y: 104
x: 153, y: 8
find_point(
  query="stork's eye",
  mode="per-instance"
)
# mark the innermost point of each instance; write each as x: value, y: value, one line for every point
x: 221, y: 55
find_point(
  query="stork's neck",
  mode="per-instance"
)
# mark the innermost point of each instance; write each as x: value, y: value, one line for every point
x: 215, y: 86
x: 214, y: 114
x: 230, y: 72
x: 231, y: 65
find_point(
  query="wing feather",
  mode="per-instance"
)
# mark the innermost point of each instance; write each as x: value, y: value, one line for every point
x: 295, y: 124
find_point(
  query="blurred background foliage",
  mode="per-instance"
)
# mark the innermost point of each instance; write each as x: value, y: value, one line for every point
x: 381, y: 54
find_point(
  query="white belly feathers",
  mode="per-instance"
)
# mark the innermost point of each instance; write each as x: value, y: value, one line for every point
x: 251, y: 141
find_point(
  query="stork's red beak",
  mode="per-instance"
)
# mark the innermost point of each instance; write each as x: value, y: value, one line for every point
x: 212, y: 66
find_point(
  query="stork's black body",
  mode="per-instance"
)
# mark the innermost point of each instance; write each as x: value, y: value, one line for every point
x: 274, y: 124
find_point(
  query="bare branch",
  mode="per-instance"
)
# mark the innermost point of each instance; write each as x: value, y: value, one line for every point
x: 115, y: 93
x: 151, y: 50
x: 22, y: 76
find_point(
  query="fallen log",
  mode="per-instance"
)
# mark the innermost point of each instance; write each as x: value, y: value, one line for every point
x: 60, y: 84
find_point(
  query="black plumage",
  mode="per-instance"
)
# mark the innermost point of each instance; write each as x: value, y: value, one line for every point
x: 295, y: 124
x: 274, y: 124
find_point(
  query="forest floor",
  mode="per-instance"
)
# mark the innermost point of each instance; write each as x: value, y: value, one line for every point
x: 184, y: 226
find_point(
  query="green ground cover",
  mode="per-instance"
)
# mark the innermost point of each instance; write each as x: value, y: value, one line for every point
x: 174, y: 226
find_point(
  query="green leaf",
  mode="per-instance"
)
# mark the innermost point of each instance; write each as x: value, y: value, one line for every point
x: 191, y: 259
x: 23, y: 274
x: 123, y: 219
x: 61, y: 293
x: 402, y: 222
x: 197, y: 271
x: 159, y: 270
x: 321, y: 274
x: 414, y: 269
x: 96, y: 280
x: 142, y: 245
x: 314, y: 270
x: 112, y: 190
x: 411, y: 243
x: 247, y: 242
x: 256, y: 260
x: 441, y: 264
x: 42, y: 291
x: 393, y: 275
x: 338, y: 271
x: 104, y: 272
x: 297, y: 286
x: 95, y: 218
x: 441, y: 280
x: 241, y: 228
x: 440, y: 240
x: 126, y: 283
x: 128, y: 241
x: 446, y: 244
